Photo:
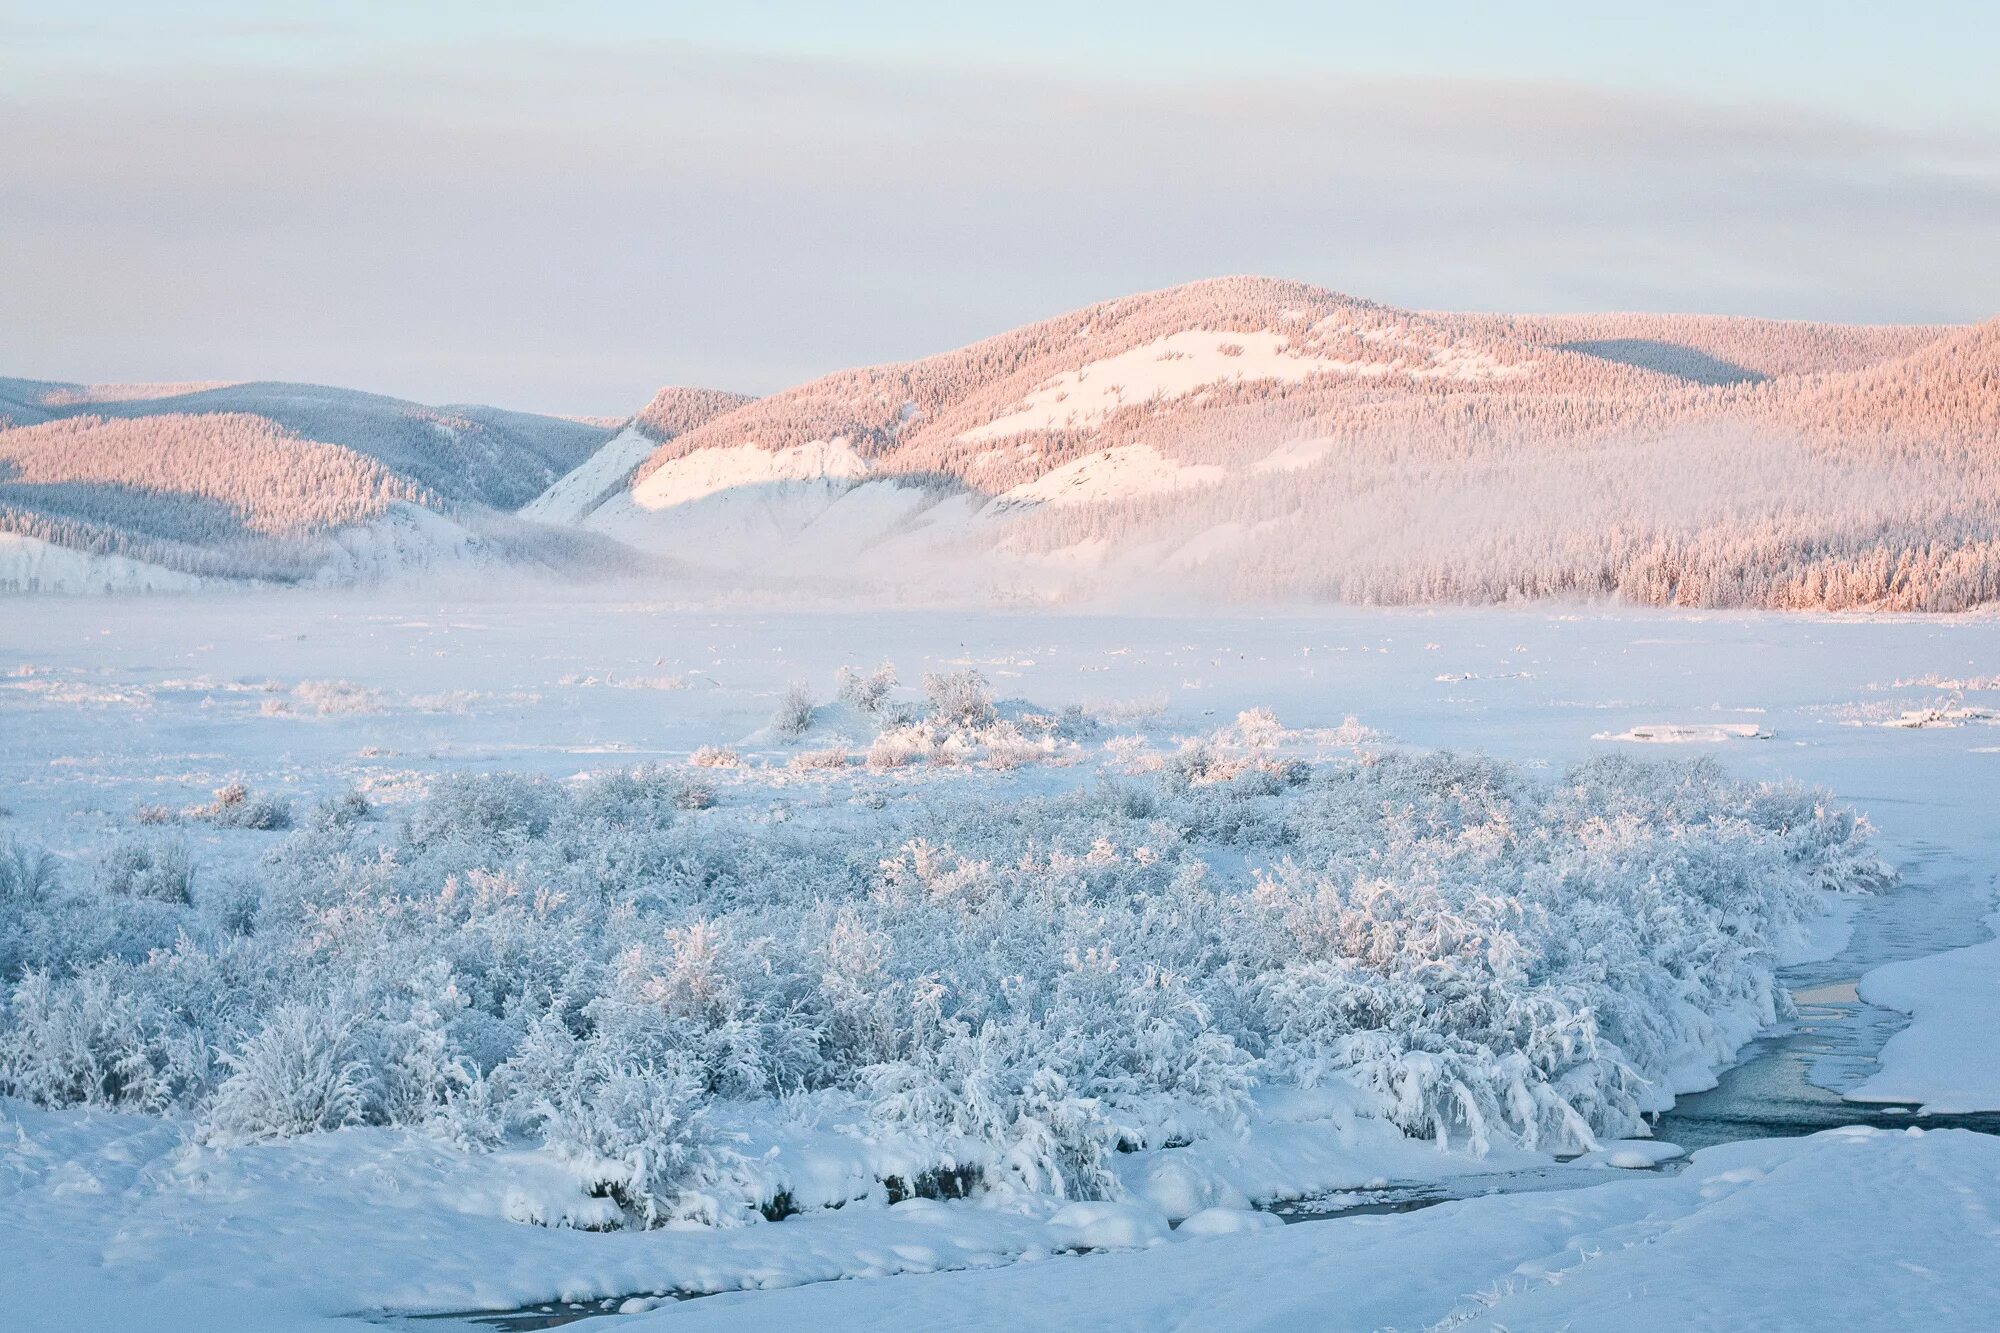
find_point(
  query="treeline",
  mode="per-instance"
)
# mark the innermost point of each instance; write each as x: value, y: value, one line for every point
x: 243, y: 557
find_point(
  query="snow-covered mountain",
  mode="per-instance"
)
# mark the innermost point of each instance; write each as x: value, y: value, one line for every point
x: 1238, y: 438
x: 1249, y: 437
x: 150, y: 486
x: 608, y: 471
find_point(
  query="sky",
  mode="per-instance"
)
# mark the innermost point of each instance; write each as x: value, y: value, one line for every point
x: 561, y: 208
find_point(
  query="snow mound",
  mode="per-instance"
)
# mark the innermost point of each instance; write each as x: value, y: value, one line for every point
x: 1917, y: 719
x: 1226, y: 1222
x: 1108, y: 1226
x: 1670, y: 733
x: 1632, y: 1154
x: 1949, y: 1060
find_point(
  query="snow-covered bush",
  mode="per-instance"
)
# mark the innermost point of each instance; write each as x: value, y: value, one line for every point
x: 475, y: 807
x: 337, y: 698
x: 869, y: 693
x: 1019, y: 984
x: 958, y: 698
x: 25, y: 872
x: 88, y: 1042
x: 715, y: 756
x: 236, y: 806
x: 652, y: 788
x: 297, y: 1075
x: 900, y: 746
x: 161, y: 870
x: 794, y: 717
x: 349, y: 807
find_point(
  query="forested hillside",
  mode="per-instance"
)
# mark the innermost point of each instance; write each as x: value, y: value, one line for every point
x: 1246, y: 439
x: 1256, y: 439
x: 257, y: 480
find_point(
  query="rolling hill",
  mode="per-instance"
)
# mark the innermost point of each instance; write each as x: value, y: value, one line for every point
x: 102, y: 485
x: 1236, y: 439
x: 1256, y: 439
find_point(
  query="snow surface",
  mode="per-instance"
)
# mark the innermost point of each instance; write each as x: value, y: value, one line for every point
x: 1164, y: 369
x: 1850, y: 1229
x: 1114, y: 474
x: 806, y: 511
x: 1949, y: 1059
x: 120, y: 1221
x: 29, y: 564
x: 703, y: 473
x: 576, y: 494
x: 1682, y: 733
x: 1294, y: 456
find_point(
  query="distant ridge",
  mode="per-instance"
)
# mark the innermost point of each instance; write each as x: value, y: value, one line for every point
x: 1246, y: 439
x: 1256, y: 438
x: 260, y: 480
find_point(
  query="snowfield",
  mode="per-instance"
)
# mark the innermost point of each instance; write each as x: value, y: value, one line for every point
x: 1129, y: 470
x: 529, y: 950
x: 30, y: 565
x: 1162, y: 370
x: 576, y: 494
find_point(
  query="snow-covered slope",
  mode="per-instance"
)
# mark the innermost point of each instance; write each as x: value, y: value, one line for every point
x: 484, y: 455
x: 673, y: 411
x: 593, y: 481
x: 259, y: 481
x: 1234, y: 438
x: 1253, y: 437
x: 1114, y: 474
x: 28, y: 564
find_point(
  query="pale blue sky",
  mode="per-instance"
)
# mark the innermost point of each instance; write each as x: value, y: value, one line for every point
x: 562, y: 206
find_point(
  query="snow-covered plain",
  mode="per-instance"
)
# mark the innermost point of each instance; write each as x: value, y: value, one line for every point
x: 117, y: 715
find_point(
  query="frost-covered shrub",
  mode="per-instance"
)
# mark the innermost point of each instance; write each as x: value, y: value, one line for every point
x: 1007, y: 748
x: 236, y: 806
x: 25, y: 873
x: 958, y: 698
x: 1259, y: 728
x: 649, y: 791
x: 482, y: 806
x: 899, y: 746
x: 833, y: 757
x: 1019, y: 984
x: 297, y: 1075
x: 715, y: 756
x: 870, y: 693
x: 1071, y: 723
x: 993, y: 1086
x: 628, y: 1119
x: 794, y: 717
x: 337, y: 698
x: 161, y: 870
x: 349, y: 807
x: 88, y: 1042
